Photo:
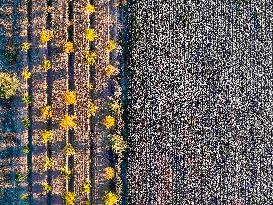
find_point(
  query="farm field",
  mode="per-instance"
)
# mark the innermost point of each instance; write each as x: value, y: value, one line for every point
x: 200, y: 94
x: 116, y: 102
x: 67, y: 56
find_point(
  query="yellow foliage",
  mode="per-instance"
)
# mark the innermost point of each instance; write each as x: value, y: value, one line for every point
x: 118, y: 144
x: 46, y: 112
x: 90, y: 57
x: 26, y: 122
x: 89, y: 9
x: 69, y: 47
x: 46, y: 64
x: 109, y: 121
x: 65, y: 172
x: 70, y: 198
x: 117, y: 92
x: 90, y: 86
x: 92, y: 109
x: 46, y: 187
x: 26, y: 74
x: 111, y: 70
x: 49, y: 9
x: 111, y: 46
x: 69, y: 149
x: 123, y: 2
x: 25, y: 150
x: 46, y: 35
x: 68, y: 122
x: 26, y: 99
x: 8, y: 85
x: 48, y: 163
x: 90, y: 34
x: 24, y: 196
x: 25, y: 46
x: 115, y: 106
x: 110, y: 198
x: 20, y: 177
x: 70, y: 97
x: 86, y: 186
x: 109, y: 173
x: 47, y: 135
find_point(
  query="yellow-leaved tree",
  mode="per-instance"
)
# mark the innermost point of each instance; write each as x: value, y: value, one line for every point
x: 69, y: 47
x: 70, y: 97
x: 92, y: 109
x: 110, y: 198
x: 89, y: 9
x: 46, y: 35
x: 109, y: 121
x: 118, y: 144
x: 70, y: 198
x: 68, y: 122
x: 90, y: 34
x: 109, y: 173
x: 111, y: 45
x: 46, y: 112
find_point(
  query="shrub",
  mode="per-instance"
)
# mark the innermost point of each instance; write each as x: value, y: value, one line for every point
x: 90, y: 86
x: 8, y: 85
x: 115, y: 106
x: 24, y: 196
x: 86, y: 203
x: 25, y: 46
x: 25, y: 150
x: 19, y: 177
x: 11, y: 55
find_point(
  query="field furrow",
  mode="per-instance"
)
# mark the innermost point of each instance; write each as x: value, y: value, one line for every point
x: 59, y: 68
x: 38, y: 101
x: 103, y: 21
x: 81, y: 79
